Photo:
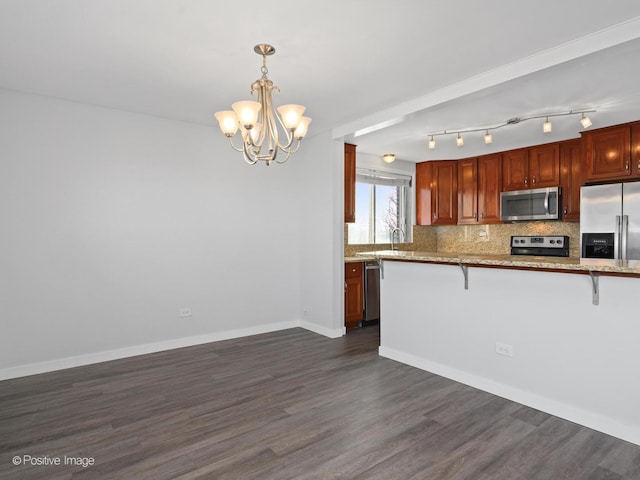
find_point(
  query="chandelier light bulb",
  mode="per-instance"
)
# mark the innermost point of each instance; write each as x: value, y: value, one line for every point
x: 487, y: 138
x: 585, y: 121
x: 546, y: 126
x: 432, y: 143
x: 247, y: 112
x: 291, y: 115
x: 228, y: 121
x: 459, y: 141
x: 301, y: 129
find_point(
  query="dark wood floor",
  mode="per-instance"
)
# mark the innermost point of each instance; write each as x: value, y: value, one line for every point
x: 288, y: 405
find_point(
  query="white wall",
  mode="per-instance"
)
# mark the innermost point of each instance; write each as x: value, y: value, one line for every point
x: 321, y: 175
x: 571, y: 358
x: 112, y: 221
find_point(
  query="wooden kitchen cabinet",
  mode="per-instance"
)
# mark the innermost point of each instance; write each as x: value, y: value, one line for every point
x: 437, y: 192
x: 635, y: 149
x: 468, y: 191
x: 489, y: 187
x: 353, y: 294
x: 571, y: 178
x: 608, y: 154
x: 349, y: 183
x: 479, y: 184
x: 515, y: 169
x: 544, y: 166
x: 535, y: 167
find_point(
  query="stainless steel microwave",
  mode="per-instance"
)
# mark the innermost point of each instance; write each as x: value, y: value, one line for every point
x: 534, y: 204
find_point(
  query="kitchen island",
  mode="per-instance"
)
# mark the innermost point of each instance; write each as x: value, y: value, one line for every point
x: 524, y: 328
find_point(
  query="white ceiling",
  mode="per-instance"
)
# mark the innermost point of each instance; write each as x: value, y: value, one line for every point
x: 353, y: 63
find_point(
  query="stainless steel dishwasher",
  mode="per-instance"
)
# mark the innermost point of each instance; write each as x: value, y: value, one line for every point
x: 371, y: 292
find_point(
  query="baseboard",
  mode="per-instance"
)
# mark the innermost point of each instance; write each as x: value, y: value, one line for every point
x: 80, y: 360
x: 568, y: 412
x: 327, y: 332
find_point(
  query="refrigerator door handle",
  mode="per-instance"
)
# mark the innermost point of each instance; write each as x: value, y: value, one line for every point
x: 623, y: 237
x: 616, y: 238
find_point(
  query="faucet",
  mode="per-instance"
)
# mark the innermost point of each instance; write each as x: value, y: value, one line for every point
x: 400, y: 233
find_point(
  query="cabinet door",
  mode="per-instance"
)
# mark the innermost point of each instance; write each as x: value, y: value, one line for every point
x: 423, y: 193
x: 544, y: 166
x: 515, y: 170
x: 353, y: 295
x: 571, y: 174
x: 444, y: 193
x: 349, y: 183
x: 608, y: 153
x: 468, y: 191
x: 635, y: 149
x: 489, y: 186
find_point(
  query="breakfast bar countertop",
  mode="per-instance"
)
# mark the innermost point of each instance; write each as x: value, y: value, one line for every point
x: 620, y: 267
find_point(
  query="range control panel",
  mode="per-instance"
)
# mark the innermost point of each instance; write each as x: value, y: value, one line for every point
x: 542, y: 241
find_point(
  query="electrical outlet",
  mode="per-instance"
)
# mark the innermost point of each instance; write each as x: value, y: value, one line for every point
x: 185, y: 312
x: 504, y: 349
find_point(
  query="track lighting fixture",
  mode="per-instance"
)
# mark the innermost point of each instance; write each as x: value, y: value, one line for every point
x: 488, y: 138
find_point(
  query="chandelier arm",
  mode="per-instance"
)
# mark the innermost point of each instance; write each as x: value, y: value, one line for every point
x: 250, y: 159
x: 288, y: 154
x: 288, y: 133
x: 237, y: 149
x: 297, y: 146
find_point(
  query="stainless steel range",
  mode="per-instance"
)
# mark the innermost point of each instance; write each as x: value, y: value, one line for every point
x: 546, y: 245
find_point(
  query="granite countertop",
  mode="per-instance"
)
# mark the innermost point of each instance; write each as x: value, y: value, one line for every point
x: 360, y: 258
x: 512, y: 261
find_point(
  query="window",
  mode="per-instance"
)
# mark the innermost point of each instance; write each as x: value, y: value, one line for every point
x: 381, y: 206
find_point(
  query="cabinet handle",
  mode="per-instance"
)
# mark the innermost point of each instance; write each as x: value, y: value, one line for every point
x: 534, y: 180
x: 626, y: 166
x: 526, y: 180
x: 482, y: 215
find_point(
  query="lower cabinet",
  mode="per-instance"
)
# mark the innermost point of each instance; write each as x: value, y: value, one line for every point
x: 353, y: 294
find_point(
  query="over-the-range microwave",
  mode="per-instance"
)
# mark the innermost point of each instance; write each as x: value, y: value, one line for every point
x: 533, y: 204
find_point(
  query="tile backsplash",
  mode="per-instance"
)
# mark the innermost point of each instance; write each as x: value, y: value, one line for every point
x: 483, y: 239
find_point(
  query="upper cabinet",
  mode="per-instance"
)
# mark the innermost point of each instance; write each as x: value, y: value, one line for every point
x: 515, y: 170
x: 534, y: 167
x: 635, y: 148
x: 608, y: 153
x: 437, y: 192
x: 349, y: 183
x: 489, y: 183
x: 479, y: 184
x: 544, y: 166
x: 571, y: 178
x: 468, y: 191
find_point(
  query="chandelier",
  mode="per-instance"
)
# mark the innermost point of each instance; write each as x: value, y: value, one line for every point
x: 258, y: 122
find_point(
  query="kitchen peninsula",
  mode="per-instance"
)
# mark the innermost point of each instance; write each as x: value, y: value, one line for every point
x: 526, y: 328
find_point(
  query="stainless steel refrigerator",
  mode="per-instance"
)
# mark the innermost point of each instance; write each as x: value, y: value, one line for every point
x: 610, y: 221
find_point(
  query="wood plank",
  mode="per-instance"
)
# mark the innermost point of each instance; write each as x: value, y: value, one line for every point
x: 288, y: 404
